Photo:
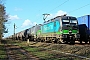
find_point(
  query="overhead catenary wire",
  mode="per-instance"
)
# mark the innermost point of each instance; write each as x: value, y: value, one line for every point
x: 79, y: 8
x: 70, y: 11
x: 55, y: 7
x: 59, y: 5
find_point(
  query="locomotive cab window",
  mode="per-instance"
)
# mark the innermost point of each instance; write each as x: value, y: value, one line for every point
x: 65, y: 22
x: 73, y: 22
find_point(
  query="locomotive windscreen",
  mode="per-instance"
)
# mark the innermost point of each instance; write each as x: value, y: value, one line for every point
x: 69, y: 25
x: 69, y: 22
x: 65, y: 22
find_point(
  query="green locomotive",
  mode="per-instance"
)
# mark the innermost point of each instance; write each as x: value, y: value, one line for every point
x: 61, y: 29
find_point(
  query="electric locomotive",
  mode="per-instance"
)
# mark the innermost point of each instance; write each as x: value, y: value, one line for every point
x: 61, y: 29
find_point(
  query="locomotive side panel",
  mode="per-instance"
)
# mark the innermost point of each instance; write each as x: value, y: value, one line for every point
x: 51, y: 30
x: 51, y: 27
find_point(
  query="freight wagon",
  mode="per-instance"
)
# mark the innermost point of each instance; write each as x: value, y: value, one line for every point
x: 84, y: 28
x: 33, y: 33
x: 22, y: 35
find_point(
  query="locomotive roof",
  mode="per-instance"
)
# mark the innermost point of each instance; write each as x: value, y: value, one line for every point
x: 63, y: 17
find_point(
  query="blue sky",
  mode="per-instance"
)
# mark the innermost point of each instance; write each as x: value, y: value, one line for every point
x: 27, y: 13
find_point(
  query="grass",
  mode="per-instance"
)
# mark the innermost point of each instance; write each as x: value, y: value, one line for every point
x: 38, y: 52
x: 43, y: 54
x: 3, y: 55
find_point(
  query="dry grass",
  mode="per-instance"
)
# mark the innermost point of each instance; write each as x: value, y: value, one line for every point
x: 45, y: 50
x: 38, y: 49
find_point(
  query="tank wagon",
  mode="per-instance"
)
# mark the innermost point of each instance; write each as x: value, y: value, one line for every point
x: 23, y: 34
x: 29, y: 34
x: 18, y: 36
x: 33, y: 33
x: 84, y: 28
